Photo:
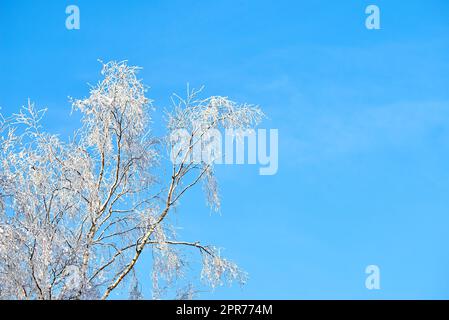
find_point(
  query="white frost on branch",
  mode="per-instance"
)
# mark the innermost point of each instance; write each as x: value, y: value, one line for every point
x: 76, y: 215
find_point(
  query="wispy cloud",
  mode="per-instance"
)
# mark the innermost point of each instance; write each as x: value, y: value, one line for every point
x: 367, y: 130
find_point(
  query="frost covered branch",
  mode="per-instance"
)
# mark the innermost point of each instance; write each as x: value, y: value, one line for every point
x: 76, y: 215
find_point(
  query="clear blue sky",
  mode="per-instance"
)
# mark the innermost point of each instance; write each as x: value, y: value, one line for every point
x: 363, y: 119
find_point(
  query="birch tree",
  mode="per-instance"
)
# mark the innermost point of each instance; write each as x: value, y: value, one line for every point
x: 78, y: 213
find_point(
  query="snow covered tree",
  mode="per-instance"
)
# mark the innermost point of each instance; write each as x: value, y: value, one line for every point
x: 76, y: 214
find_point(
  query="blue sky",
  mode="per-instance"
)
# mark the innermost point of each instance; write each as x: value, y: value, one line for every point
x: 363, y: 119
